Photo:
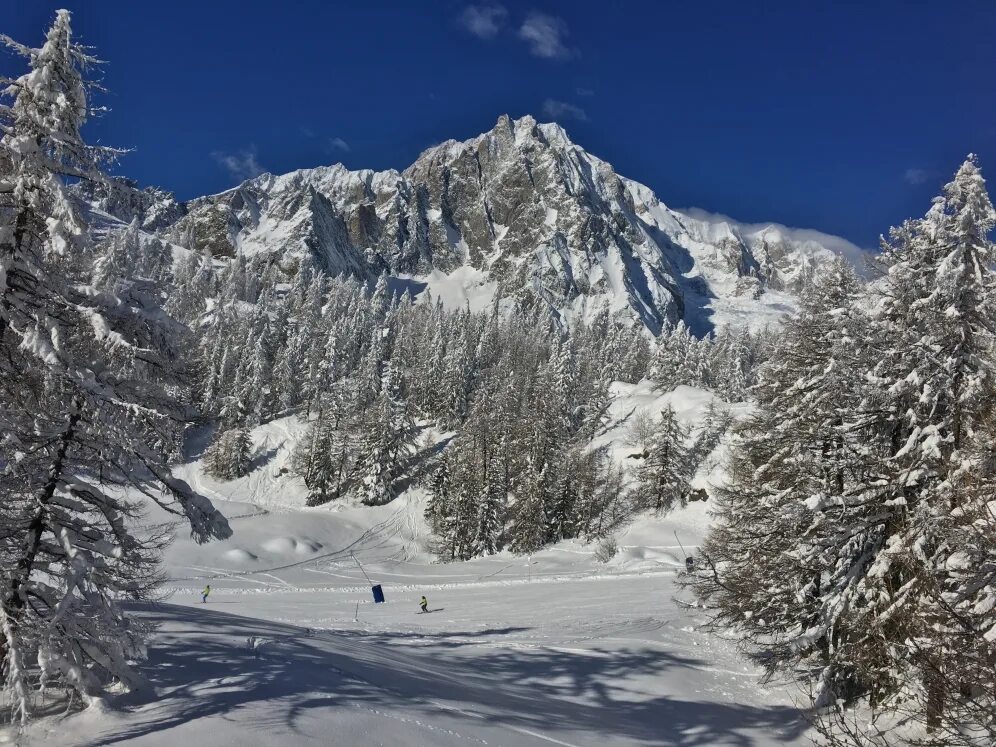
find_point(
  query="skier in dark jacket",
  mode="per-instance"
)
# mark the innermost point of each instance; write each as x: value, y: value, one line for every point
x: 424, y: 604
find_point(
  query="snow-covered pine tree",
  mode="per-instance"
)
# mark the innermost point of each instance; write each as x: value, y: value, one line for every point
x: 715, y: 425
x: 388, y: 442
x: 491, y: 517
x: 438, y: 509
x: 773, y: 567
x: 155, y: 260
x: 88, y: 399
x: 193, y: 284
x: 287, y: 369
x: 733, y: 366
x: 260, y: 403
x: 324, y: 459
x: 665, y: 470
x: 117, y: 258
x: 527, y: 530
x: 669, y: 366
x: 218, y: 359
x: 313, y: 320
x: 596, y: 484
x: 933, y: 395
x: 229, y: 455
x: 561, y: 498
x: 840, y: 543
x: 457, y: 381
x: 233, y: 281
x: 965, y: 620
x: 465, y: 520
x: 608, y: 507
x: 452, y: 509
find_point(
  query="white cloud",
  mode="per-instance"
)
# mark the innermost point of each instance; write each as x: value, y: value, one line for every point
x: 917, y: 176
x: 241, y: 165
x: 483, y: 21
x: 545, y: 36
x: 337, y: 143
x: 585, y: 91
x: 853, y: 253
x: 562, y: 110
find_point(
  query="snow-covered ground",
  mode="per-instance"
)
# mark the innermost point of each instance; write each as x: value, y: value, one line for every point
x: 556, y: 648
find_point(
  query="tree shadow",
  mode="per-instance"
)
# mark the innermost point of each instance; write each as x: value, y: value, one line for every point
x: 262, y: 459
x: 421, y: 464
x: 195, y: 442
x: 201, y: 666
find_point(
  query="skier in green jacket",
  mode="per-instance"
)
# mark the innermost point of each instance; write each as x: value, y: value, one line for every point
x: 424, y: 604
x: 204, y: 594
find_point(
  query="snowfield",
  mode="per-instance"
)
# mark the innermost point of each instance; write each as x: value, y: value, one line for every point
x: 552, y: 649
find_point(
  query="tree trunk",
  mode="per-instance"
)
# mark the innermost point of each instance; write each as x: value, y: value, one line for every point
x: 935, y: 687
x: 13, y: 600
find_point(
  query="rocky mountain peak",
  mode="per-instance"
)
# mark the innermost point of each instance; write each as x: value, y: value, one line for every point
x: 519, y: 212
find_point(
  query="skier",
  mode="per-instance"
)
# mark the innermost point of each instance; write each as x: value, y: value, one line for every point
x: 424, y: 604
x: 204, y: 594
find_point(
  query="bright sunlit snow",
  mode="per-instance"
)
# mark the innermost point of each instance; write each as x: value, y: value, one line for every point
x: 556, y: 648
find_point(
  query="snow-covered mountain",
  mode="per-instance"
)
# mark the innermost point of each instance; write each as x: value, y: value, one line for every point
x: 519, y: 212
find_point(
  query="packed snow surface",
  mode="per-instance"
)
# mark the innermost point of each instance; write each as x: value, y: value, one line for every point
x: 551, y: 649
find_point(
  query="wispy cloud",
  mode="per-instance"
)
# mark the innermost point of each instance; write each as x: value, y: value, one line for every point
x: 483, y: 21
x: 854, y: 254
x: 337, y: 143
x: 584, y: 91
x: 917, y: 176
x: 562, y: 110
x: 241, y: 165
x: 546, y: 36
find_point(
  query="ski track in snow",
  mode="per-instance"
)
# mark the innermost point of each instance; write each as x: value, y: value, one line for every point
x: 554, y: 648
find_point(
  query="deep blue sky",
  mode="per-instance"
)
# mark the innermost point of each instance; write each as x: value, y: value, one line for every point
x: 840, y: 116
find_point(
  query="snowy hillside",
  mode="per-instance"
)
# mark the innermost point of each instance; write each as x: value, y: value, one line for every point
x: 519, y: 213
x: 552, y: 648
x: 272, y: 488
x: 488, y: 451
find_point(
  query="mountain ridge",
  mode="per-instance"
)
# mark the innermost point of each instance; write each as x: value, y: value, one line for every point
x: 525, y: 215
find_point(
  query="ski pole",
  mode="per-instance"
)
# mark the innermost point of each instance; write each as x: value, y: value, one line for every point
x: 361, y: 569
x: 684, y: 552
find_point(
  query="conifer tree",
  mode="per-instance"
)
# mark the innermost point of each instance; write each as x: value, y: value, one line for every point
x: 665, y: 471
x: 90, y: 385
x: 843, y: 542
x: 229, y: 455
x: 388, y: 442
x: 438, y: 510
x: 934, y: 389
x: 116, y: 258
x: 793, y: 456
x: 491, y: 517
x: 527, y: 532
x: 324, y: 458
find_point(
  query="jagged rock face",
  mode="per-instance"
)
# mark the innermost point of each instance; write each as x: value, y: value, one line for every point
x: 155, y: 208
x: 286, y: 215
x: 547, y: 221
x: 535, y: 217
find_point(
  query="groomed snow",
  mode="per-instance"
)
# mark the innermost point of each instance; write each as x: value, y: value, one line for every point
x: 555, y: 648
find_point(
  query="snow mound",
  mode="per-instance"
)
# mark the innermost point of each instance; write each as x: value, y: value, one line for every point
x: 291, y: 545
x: 238, y: 555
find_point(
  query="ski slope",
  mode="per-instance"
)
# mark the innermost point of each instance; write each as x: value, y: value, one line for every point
x: 552, y: 649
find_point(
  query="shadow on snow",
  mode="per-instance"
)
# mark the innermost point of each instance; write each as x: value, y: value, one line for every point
x: 201, y: 666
